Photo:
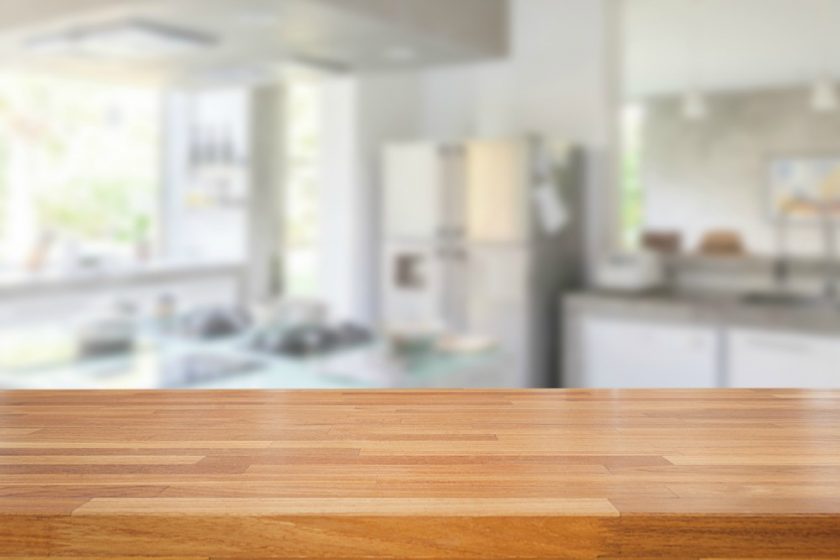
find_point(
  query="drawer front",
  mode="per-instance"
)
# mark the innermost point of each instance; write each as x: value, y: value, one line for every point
x: 629, y: 353
x: 771, y: 359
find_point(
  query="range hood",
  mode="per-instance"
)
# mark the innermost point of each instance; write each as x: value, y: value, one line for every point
x: 133, y: 39
x: 190, y: 41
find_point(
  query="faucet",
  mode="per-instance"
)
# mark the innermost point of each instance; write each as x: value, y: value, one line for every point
x: 781, y: 265
x: 831, y: 261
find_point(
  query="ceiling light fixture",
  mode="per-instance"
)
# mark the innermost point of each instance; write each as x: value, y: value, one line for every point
x: 824, y: 96
x: 126, y: 39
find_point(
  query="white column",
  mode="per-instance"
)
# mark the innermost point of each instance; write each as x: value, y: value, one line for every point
x: 265, y: 215
x: 340, y: 215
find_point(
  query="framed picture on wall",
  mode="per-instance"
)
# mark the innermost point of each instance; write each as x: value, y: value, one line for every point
x: 803, y: 188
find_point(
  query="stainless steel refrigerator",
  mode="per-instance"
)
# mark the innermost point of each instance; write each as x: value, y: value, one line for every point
x: 482, y: 237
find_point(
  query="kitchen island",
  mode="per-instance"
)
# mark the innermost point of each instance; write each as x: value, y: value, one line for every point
x: 420, y: 474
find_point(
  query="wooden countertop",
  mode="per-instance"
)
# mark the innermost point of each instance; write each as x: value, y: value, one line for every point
x: 420, y: 474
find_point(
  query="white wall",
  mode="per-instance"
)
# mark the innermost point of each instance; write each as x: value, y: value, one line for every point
x: 714, y: 173
x: 727, y: 45
x: 555, y: 81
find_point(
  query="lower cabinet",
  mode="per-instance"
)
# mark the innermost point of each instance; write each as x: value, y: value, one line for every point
x: 757, y: 358
x: 618, y: 346
x: 618, y: 352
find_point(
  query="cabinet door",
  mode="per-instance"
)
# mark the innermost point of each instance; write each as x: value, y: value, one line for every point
x: 496, y: 175
x: 413, y: 195
x: 627, y: 353
x: 771, y: 359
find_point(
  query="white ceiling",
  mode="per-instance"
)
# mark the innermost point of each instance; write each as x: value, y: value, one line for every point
x: 256, y: 35
x: 674, y: 45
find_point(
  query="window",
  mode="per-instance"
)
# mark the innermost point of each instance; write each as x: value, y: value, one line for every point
x: 78, y: 172
x: 302, y: 224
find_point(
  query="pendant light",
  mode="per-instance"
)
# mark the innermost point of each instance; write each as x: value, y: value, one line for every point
x: 824, y: 96
x: 694, y: 103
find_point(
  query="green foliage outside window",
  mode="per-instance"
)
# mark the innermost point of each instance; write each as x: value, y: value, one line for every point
x: 632, y: 190
x: 90, y: 153
x: 631, y: 199
x: 302, y: 208
x: 97, y: 209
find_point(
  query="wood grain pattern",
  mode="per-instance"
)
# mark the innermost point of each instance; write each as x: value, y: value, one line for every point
x: 234, y: 475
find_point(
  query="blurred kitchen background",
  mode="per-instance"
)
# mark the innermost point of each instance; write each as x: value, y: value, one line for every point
x: 419, y: 193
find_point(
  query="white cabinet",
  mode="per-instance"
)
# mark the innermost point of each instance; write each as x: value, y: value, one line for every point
x: 416, y: 280
x: 620, y: 353
x: 757, y: 358
x: 414, y: 182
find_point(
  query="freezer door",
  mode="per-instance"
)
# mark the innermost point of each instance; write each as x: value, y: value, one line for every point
x: 496, y: 175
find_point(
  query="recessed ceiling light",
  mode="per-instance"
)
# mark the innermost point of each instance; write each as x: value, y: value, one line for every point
x: 125, y: 39
x: 400, y: 53
x: 255, y: 18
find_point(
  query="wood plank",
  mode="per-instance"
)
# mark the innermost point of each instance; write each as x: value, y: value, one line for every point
x: 370, y: 507
x: 313, y: 537
x: 238, y: 475
x: 100, y: 459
